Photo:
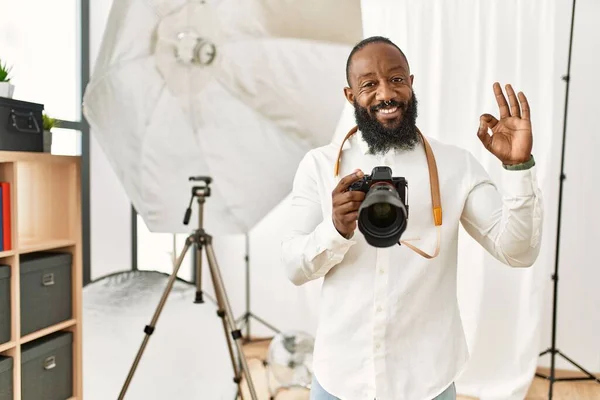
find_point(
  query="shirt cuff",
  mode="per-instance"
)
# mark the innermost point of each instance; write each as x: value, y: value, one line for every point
x: 520, y: 182
x: 331, y: 239
x: 522, y: 166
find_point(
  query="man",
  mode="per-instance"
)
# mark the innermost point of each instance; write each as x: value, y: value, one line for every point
x: 389, y: 326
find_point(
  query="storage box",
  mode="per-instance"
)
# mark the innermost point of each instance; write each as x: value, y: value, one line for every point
x: 47, y: 368
x: 46, y: 290
x: 21, y: 125
x: 5, y: 314
x: 6, y: 378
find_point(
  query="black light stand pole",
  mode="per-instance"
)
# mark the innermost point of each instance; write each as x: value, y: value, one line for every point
x: 553, y: 350
x: 244, y: 320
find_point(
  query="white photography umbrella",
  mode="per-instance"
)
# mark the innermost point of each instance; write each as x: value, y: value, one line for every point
x: 237, y: 90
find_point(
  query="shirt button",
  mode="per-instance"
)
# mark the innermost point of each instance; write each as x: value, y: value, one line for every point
x: 377, y: 346
x: 381, y: 271
x: 378, y: 308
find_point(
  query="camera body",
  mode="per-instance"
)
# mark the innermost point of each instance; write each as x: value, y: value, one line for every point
x: 383, y: 175
x: 383, y: 214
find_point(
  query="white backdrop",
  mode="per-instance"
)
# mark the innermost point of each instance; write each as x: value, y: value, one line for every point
x: 456, y: 51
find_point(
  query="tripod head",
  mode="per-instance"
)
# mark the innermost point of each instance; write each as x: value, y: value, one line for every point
x: 200, y: 192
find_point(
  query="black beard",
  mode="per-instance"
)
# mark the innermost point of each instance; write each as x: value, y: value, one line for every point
x: 380, y: 138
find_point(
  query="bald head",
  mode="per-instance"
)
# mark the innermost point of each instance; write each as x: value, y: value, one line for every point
x: 365, y: 42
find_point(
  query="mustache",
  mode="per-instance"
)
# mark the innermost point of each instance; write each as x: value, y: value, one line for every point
x: 391, y: 103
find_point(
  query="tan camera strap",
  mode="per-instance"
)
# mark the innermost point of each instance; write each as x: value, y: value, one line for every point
x: 433, y: 183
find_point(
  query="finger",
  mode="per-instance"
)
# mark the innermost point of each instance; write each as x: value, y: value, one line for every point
x: 349, y: 207
x: 501, y: 100
x: 346, y: 181
x: 487, y: 121
x: 342, y: 198
x: 352, y: 217
x: 482, y: 132
x: 524, y: 106
x: 515, y: 110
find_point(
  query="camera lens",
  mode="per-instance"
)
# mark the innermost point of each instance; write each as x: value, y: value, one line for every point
x: 382, y: 216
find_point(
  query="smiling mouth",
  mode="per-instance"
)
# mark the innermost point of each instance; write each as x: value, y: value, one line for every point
x: 387, y: 110
x: 388, y: 113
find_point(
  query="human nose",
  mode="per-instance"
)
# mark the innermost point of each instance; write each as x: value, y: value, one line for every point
x: 385, y: 92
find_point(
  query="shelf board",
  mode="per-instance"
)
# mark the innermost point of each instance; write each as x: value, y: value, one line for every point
x: 32, y: 245
x: 7, y: 346
x: 32, y: 156
x: 47, y: 331
x: 7, y: 253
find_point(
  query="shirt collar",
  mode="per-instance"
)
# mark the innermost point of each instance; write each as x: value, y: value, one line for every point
x: 358, y: 140
x: 362, y: 145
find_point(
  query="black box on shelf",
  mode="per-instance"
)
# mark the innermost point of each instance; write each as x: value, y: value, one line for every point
x: 46, y: 290
x: 5, y: 314
x: 6, y: 378
x: 21, y: 126
x: 47, y: 367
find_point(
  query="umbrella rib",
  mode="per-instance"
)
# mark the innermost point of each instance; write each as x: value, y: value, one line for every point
x: 155, y: 8
x: 96, y: 80
x: 148, y: 119
x: 162, y: 89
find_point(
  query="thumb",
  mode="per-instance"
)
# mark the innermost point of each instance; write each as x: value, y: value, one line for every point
x: 485, y: 121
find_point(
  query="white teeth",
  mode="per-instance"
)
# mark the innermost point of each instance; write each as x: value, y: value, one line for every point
x: 387, y: 110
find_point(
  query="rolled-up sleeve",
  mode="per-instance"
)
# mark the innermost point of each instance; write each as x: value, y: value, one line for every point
x: 311, y: 245
x: 508, y: 224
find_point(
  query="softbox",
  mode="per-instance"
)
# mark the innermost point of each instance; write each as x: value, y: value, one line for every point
x: 238, y: 90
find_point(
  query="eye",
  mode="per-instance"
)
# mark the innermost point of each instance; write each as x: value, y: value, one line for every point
x: 398, y: 79
x: 367, y: 84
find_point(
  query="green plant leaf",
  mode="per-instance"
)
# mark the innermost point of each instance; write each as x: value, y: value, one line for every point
x: 49, y: 123
x: 4, y: 72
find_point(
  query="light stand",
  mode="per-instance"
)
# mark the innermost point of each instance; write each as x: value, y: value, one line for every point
x: 200, y: 239
x: 244, y: 320
x: 553, y: 350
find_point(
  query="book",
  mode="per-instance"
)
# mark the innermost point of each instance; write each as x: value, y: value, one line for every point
x: 6, y: 220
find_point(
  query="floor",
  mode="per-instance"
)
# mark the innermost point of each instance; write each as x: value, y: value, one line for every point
x: 255, y: 354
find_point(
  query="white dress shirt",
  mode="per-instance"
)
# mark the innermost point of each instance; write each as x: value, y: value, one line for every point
x: 389, y: 324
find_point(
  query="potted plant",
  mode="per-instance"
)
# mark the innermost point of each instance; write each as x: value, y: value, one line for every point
x: 48, y: 124
x: 6, y: 88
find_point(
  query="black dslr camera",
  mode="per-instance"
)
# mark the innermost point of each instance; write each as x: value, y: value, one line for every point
x: 383, y: 214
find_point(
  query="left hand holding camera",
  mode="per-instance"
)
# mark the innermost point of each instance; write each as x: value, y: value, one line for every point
x: 511, y: 140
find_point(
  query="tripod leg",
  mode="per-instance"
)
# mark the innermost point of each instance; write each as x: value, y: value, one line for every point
x: 199, y: 297
x: 235, y: 333
x: 149, y: 329
x: 221, y: 313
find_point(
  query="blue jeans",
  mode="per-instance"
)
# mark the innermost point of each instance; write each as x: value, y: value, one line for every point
x: 318, y: 393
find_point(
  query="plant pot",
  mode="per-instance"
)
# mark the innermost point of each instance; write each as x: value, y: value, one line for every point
x: 6, y: 89
x: 47, y: 141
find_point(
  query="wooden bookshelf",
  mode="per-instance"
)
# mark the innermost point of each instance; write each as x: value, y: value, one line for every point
x: 45, y: 213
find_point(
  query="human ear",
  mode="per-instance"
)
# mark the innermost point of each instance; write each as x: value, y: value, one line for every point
x: 349, y: 95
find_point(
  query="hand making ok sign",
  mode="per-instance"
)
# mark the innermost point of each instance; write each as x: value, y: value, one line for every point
x: 511, y: 140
